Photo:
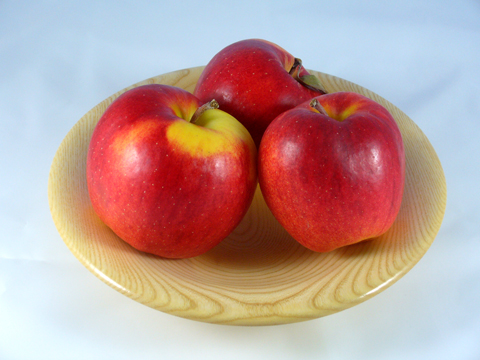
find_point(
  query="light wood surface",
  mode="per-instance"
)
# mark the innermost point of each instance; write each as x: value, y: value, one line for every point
x: 259, y: 275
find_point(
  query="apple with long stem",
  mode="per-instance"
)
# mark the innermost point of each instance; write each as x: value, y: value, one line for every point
x: 170, y: 175
x: 256, y: 80
x: 332, y: 170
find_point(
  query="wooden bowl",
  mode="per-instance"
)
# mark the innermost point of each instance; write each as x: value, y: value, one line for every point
x: 259, y: 275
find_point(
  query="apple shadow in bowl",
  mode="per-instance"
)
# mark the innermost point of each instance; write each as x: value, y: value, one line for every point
x: 259, y: 241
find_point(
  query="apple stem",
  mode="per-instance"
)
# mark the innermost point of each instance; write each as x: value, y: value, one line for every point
x: 297, y: 65
x: 309, y: 81
x: 317, y: 106
x: 208, y: 106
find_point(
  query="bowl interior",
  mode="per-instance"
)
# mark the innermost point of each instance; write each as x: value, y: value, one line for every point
x: 259, y: 275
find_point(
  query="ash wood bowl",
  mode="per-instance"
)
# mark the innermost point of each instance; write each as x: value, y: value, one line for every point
x: 259, y: 275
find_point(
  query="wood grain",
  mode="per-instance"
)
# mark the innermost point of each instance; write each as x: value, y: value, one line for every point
x: 259, y: 275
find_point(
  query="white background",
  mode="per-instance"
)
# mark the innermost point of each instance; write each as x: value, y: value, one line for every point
x: 59, y: 59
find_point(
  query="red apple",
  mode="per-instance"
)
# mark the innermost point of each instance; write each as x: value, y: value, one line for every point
x: 167, y: 175
x: 255, y: 81
x: 332, y: 170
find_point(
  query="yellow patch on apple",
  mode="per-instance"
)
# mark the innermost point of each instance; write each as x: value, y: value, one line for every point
x: 340, y: 115
x: 213, y: 132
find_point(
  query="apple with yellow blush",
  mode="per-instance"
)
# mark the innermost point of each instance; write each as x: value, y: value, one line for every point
x: 169, y: 174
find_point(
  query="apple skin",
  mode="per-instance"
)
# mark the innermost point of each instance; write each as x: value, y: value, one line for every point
x: 165, y: 185
x: 251, y: 80
x: 335, y: 178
